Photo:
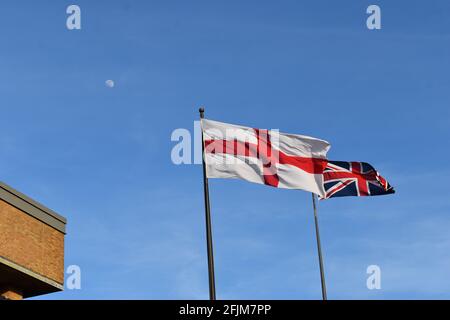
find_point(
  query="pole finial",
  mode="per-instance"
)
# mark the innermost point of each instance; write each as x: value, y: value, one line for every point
x: 202, y: 112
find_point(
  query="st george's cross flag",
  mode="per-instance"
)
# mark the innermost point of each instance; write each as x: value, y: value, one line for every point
x: 342, y: 179
x: 262, y: 156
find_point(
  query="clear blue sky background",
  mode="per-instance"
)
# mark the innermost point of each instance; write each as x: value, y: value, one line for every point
x: 101, y: 156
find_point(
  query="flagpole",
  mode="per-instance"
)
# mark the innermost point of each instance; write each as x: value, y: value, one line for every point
x: 319, y: 249
x: 209, y: 242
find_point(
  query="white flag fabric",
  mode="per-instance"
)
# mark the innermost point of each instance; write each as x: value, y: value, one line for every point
x: 262, y: 156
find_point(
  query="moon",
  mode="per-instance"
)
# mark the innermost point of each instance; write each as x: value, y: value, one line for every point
x: 109, y: 83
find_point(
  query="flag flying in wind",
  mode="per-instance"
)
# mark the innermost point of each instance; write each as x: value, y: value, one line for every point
x: 343, y: 179
x: 264, y: 156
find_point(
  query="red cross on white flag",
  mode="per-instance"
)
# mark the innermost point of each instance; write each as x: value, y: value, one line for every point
x: 268, y: 157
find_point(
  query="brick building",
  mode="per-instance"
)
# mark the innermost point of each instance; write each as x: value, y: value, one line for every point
x: 31, y: 247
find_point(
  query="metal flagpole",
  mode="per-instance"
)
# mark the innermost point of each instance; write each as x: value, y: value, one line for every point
x: 209, y: 242
x: 319, y: 249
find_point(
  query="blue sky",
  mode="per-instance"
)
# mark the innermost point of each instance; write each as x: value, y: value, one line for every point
x: 101, y: 156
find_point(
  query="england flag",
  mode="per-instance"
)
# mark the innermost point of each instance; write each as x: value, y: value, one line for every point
x: 262, y: 156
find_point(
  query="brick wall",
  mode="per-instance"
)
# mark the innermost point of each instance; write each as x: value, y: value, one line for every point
x: 30, y: 243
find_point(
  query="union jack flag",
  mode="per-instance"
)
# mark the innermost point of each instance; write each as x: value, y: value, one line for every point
x: 359, y: 179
